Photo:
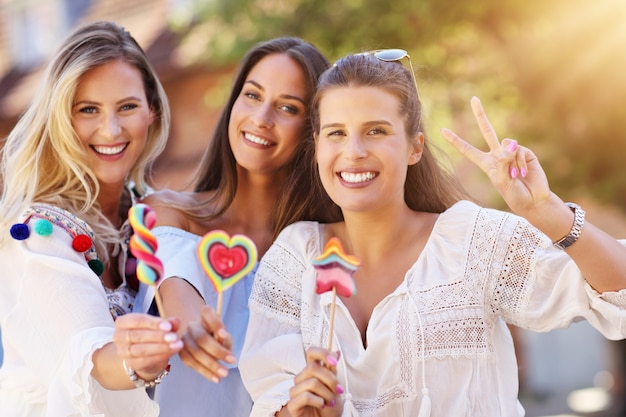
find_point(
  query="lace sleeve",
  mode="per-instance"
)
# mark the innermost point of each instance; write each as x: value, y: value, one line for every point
x: 273, y: 350
x: 535, y: 286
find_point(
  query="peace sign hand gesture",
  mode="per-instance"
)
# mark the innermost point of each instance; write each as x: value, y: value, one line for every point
x: 512, y: 169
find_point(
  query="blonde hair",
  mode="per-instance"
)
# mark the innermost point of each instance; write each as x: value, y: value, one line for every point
x: 43, y: 159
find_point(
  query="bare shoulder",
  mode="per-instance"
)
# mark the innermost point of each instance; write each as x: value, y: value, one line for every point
x: 169, y: 207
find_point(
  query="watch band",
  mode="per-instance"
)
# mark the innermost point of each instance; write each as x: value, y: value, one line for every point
x: 577, y: 227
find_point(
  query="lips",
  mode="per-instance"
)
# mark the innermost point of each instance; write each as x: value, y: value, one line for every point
x: 109, y: 150
x: 256, y: 139
x: 357, y: 177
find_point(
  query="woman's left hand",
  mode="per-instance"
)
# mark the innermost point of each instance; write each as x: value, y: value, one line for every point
x: 513, y: 170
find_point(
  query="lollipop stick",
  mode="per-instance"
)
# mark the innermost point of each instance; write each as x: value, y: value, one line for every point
x: 331, y: 323
x: 219, y: 303
x: 159, y: 303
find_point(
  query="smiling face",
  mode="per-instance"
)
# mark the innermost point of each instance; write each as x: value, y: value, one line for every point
x: 363, y: 151
x: 268, y: 116
x: 111, y: 117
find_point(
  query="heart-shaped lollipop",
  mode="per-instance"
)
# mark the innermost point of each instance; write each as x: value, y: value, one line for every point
x: 226, y: 259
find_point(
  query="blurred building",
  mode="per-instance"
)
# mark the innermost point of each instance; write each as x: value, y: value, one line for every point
x: 31, y: 31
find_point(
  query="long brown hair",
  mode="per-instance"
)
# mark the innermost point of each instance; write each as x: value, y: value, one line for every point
x: 302, y: 196
x: 428, y: 186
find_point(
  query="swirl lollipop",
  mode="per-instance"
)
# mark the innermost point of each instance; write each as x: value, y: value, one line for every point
x: 335, y: 270
x: 226, y: 259
x: 143, y: 245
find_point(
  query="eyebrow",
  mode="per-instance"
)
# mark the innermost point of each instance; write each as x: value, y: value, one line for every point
x: 92, y: 102
x: 287, y: 96
x: 366, y: 124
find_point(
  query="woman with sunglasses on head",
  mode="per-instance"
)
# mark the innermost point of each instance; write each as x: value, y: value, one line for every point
x: 97, y: 122
x: 439, y: 276
x: 254, y: 180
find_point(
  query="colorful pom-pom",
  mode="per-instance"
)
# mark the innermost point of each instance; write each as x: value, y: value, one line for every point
x: 42, y: 227
x: 81, y: 243
x: 20, y: 231
x: 96, y: 266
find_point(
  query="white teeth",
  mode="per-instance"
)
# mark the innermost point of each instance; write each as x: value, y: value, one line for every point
x: 256, y: 139
x: 108, y: 150
x: 357, y: 177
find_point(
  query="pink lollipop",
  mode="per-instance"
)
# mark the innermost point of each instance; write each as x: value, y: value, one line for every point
x: 226, y: 259
x: 335, y: 270
x: 143, y: 245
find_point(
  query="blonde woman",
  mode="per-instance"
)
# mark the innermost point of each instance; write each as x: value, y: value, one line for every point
x: 97, y: 122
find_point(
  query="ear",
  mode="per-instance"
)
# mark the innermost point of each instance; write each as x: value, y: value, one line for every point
x: 416, y: 148
x: 151, y: 117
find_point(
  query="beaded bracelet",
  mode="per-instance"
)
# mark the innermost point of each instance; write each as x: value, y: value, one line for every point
x: 142, y: 383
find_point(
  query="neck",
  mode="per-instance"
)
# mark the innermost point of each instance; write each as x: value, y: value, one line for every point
x: 374, y: 235
x: 110, y: 199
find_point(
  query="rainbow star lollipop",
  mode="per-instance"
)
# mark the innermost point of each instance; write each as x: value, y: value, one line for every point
x: 143, y: 245
x: 226, y: 260
x: 335, y: 270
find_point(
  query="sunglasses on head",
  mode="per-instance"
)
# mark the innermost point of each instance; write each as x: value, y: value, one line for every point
x: 392, y: 55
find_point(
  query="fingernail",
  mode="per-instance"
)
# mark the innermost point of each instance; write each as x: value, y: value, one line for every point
x: 512, y: 146
x: 176, y: 345
x: 513, y: 172
x: 223, y: 372
x: 523, y: 172
x: 331, y: 360
x: 339, y: 389
x: 166, y: 326
x: 230, y: 359
x: 215, y: 379
x: 170, y: 337
x: 332, y: 403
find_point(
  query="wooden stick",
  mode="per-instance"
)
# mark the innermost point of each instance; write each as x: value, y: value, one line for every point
x: 219, y: 303
x: 159, y: 303
x: 331, y: 323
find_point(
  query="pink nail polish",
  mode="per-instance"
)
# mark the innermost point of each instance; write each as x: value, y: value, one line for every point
x: 512, y: 146
x: 339, y: 389
x: 331, y: 360
x: 513, y: 172
x: 523, y: 172
x: 332, y: 403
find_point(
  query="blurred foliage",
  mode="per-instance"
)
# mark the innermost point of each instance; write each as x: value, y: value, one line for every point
x: 549, y: 73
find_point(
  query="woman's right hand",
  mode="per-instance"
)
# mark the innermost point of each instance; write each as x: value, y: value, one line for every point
x: 206, y: 344
x: 316, y: 391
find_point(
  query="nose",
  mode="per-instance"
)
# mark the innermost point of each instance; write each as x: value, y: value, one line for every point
x: 263, y: 116
x: 355, y: 147
x: 110, y: 127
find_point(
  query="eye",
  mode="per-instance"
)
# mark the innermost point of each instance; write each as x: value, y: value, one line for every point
x: 129, y: 106
x: 251, y: 95
x: 88, y: 109
x: 289, y: 109
x: 337, y: 132
x: 377, y: 131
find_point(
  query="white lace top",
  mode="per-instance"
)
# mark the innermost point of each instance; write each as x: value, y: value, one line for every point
x: 479, y: 269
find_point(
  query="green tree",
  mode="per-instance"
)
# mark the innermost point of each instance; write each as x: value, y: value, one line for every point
x: 548, y: 72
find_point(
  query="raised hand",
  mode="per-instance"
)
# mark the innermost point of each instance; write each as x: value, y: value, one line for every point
x: 513, y: 170
x: 316, y: 390
x: 206, y: 343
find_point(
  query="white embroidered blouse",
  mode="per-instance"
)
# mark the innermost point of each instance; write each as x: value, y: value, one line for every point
x: 54, y: 314
x: 442, y: 328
